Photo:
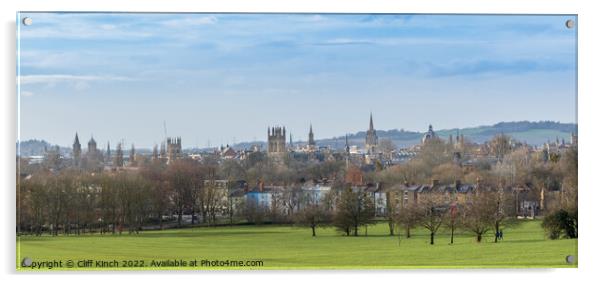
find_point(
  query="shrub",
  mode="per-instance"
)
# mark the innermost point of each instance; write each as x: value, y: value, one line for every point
x: 560, y: 223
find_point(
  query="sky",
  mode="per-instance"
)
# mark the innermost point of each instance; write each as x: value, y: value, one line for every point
x: 224, y: 78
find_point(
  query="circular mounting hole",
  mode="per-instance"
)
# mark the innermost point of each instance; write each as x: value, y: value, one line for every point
x: 27, y: 21
x: 569, y: 23
x: 26, y: 262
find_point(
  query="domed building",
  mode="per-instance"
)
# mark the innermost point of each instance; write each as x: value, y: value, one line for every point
x: 92, y: 146
x: 429, y: 135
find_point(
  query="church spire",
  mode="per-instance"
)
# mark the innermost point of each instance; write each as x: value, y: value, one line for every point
x: 346, y: 144
x: 77, y: 150
x: 311, y: 140
x: 371, y: 138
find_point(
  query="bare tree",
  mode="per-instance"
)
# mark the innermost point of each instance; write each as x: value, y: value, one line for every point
x: 451, y: 219
x: 312, y: 215
x: 387, y: 146
x: 500, y: 146
x: 433, y: 210
x: 254, y: 212
x: 354, y: 209
x: 478, y: 215
x: 181, y: 179
x: 409, y: 216
x: 448, y: 173
x: 155, y: 174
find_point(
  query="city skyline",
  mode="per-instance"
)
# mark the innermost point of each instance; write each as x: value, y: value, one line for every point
x: 303, y: 139
x: 222, y: 77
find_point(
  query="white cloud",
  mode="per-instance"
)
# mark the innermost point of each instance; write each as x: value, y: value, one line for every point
x: 59, y: 78
x: 26, y: 93
x: 189, y: 22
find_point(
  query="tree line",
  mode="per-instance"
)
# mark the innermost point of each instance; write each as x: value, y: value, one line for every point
x: 74, y: 201
x: 156, y: 195
x: 354, y: 210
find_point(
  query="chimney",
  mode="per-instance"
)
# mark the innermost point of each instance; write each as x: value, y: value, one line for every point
x: 261, y: 186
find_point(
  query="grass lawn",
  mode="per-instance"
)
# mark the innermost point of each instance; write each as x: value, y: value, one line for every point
x: 285, y: 247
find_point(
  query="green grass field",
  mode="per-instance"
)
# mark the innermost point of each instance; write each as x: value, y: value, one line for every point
x: 285, y: 247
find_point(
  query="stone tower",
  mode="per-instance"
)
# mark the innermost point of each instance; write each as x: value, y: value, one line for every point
x: 371, y: 138
x: 276, y: 141
x: 174, y: 149
x: 92, y: 147
x: 77, y: 151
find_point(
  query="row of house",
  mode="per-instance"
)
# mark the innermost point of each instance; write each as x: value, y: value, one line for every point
x: 528, y: 202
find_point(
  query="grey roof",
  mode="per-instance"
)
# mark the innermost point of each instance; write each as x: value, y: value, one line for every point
x: 465, y: 188
x: 439, y: 188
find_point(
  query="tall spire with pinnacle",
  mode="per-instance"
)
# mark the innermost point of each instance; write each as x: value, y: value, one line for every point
x: 77, y: 150
x: 371, y: 138
x: 346, y: 144
x: 311, y: 140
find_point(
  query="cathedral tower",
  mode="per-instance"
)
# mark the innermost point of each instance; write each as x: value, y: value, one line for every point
x: 174, y: 149
x: 276, y: 141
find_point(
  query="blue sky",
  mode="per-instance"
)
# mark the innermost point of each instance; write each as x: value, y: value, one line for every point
x: 221, y: 78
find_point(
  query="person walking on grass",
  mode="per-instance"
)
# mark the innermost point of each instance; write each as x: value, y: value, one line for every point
x: 501, y: 235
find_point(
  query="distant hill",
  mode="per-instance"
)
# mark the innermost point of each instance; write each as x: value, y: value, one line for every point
x: 534, y: 133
